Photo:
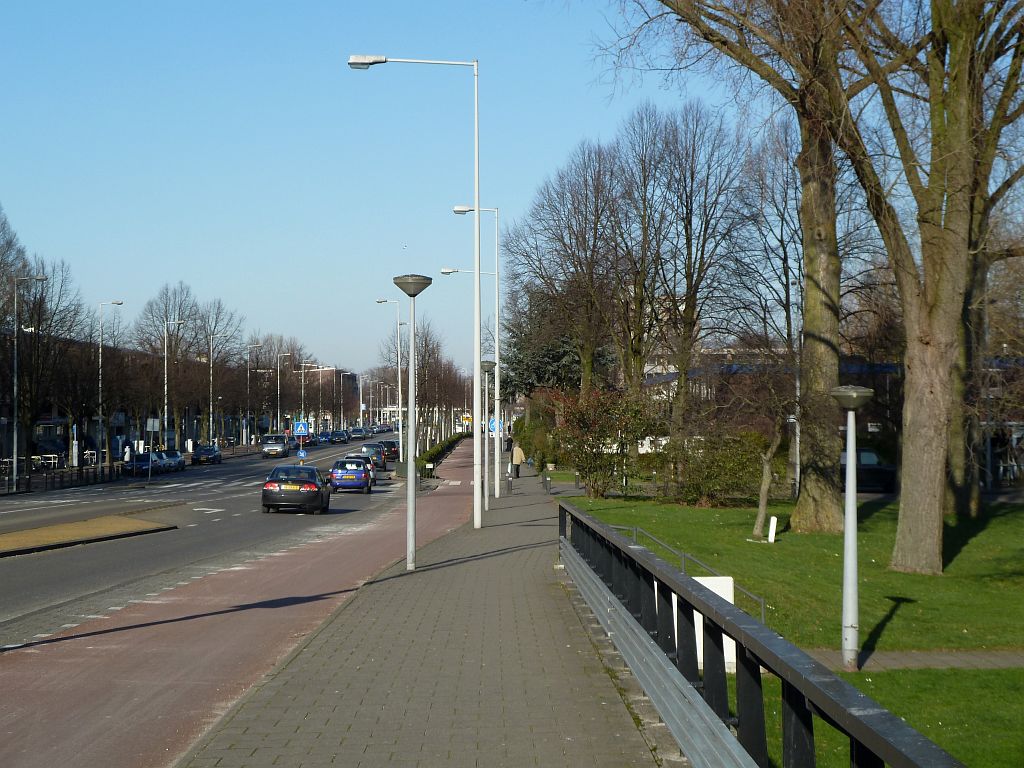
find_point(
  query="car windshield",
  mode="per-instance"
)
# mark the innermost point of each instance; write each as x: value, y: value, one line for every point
x: 171, y: 454
x: 350, y: 465
x: 294, y: 473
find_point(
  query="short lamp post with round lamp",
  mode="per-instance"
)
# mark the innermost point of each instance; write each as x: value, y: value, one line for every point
x: 850, y: 399
x: 412, y: 286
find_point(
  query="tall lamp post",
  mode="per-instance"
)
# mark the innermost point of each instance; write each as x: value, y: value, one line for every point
x: 343, y: 375
x: 167, y: 324
x: 104, y: 447
x: 850, y: 398
x: 364, y: 62
x: 413, y: 286
x: 248, y: 365
x: 462, y: 210
x: 320, y: 395
x: 302, y: 395
x: 17, y: 331
x: 212, y: 337
x: 488, y: 366
x: 283, y: 354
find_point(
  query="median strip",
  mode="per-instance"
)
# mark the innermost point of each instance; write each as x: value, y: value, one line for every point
x: 81, y: 532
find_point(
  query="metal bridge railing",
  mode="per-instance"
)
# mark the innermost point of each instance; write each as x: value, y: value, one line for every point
x: 659, y: 602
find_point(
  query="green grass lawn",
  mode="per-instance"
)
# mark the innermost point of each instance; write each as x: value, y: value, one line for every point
x: 976, y: 604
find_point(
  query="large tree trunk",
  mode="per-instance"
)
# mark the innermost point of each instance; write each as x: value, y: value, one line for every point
x: 819, y: 507
x: 927, y: 412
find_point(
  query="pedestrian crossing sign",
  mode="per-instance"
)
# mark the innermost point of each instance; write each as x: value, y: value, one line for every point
x: 301, y: 429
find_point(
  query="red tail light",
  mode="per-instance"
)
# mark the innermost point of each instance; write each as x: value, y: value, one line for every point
x: 271, y: 486
x: 309, y: 487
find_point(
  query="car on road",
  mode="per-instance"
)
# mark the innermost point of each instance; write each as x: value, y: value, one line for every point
x: 324, y: 438
x: 142, y: 464
x: 350, y: 474
x: 293, y: 443
x: 274, y: 445
x: 309, y: 441
x: 339, y: 436
x: 296, y: 486
x: 368, y: 462
x: 390, y: 449
x: 358, y: 433
x: 376, y: 453
x: 207, y: 454
x: 173, y: 461
x: 872, y: 473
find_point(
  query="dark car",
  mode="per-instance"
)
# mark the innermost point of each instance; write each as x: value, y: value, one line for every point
x: 173, y: 461
x: 339, y: 436
x: 390, y: 449
x: 296, y: 486
x: 352, y: 474
x: 358, y: 433
x: 142, y: 464
x: 872, y: 472
x: 206, y: 454
x: 324, y: 438
x: 376, y: 453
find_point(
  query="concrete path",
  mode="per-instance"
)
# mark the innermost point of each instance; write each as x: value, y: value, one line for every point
x: 475, y: 659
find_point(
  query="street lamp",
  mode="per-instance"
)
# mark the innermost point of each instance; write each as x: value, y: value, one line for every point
x: 365, y: 62
x: 283, y: 354
x: 167, y: 323
x: 104, y: 446
x: 343, y: 375
x: 398, y: 360
x: 412, y: 285
x: 320, y: 394
x: 462, y: 210
x: 17, y: 326
x: 212, y: 337
x: 248, y: 350
x: 488, y: 366
x: 850, y: 398
x: 302, y: 395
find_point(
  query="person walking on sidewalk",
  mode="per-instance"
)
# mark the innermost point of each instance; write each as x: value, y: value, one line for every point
x: 518, y: 457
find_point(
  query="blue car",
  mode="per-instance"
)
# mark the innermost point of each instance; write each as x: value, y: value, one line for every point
x: 350, y: 474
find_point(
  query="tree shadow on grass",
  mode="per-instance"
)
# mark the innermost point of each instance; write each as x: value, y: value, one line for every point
x: 871, y: 642
x: 868, y: 509
x: 959, y: 532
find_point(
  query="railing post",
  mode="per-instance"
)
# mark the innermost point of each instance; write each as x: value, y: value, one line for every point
x: 648, y: 608
x: 750, y: 707
x: 797, y: 729
x: 666, y: 636
x: 561, y: 522
x: 686, y: 643
x: 716, y: 687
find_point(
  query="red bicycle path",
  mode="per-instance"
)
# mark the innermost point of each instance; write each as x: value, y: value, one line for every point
x: 138, y: 687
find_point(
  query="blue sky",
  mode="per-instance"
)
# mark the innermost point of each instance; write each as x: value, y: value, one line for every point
x: 228, y: 144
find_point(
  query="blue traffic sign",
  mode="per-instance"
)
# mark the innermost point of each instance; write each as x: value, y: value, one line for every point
x: 490, y: 425
x: 301, y: 429
x: 300, y: 453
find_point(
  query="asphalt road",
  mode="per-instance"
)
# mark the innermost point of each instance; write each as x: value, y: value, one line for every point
x: 219, y: 521
x: 119, y: 654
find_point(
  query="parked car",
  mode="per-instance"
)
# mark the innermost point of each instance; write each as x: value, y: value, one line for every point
x: 390, y: 449
x: 339, y: 436
x: 358, y: 433
x: 142, y: 464
x: 324, y: 438
x: 173, y: 461
x: 292, y: 486
x: 872, y: 472
x: 368, y: 463
x: 350, y: 474
x: 274, y: 445
x: 376, y: 453
x: 293, y: 443
x: 309, y: 441
x: 206, y: 454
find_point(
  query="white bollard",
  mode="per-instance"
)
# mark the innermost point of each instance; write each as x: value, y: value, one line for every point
x: 772, y: 523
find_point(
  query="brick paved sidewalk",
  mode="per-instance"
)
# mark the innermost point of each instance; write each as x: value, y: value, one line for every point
x: 475, y: 659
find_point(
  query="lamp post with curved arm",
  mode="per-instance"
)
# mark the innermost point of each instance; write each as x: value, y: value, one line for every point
x: 17, y: 332
x: 283, y: 354
x: 365, y: 62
